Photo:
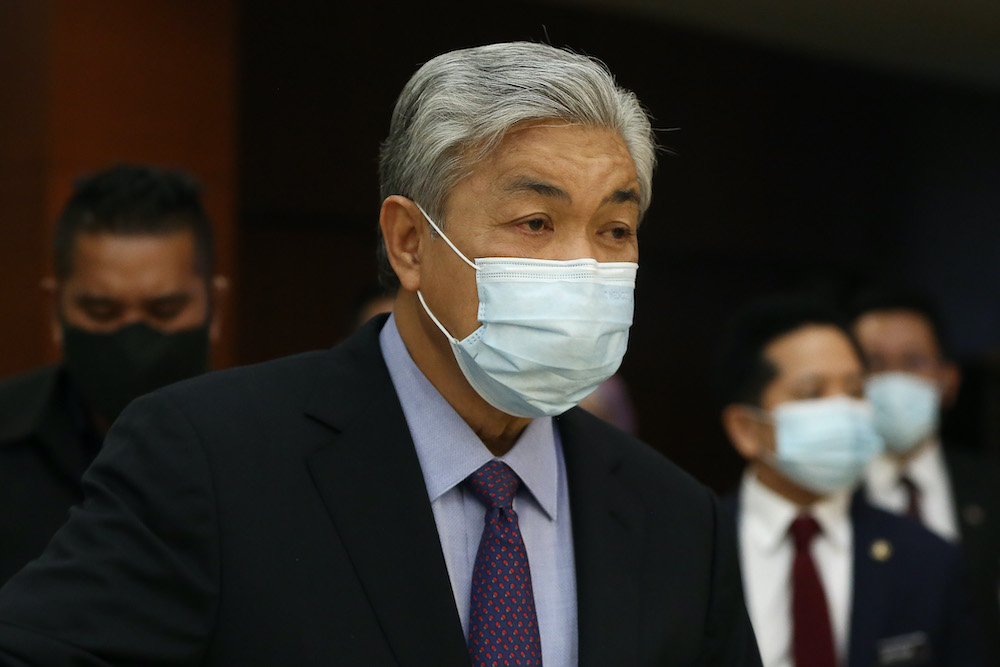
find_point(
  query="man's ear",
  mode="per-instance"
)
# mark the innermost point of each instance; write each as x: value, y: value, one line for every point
x: 951, y: 379
x: 219, y: 296
x: 401, y: 223
x: 50, y: 290
x: 744, y: 430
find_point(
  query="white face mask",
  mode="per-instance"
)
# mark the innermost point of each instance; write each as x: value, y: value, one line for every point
x: 824, y: 444
x: 906, y: 408
x: 551, y: 332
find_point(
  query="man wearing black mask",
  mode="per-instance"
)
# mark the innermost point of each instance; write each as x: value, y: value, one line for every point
x: 133, y: 298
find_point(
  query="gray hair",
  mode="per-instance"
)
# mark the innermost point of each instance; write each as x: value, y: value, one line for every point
x: 457, y: 108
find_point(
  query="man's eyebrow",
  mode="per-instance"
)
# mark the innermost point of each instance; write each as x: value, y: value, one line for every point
x: 525, y: 184
x: 94, y: 299
x: 631, y: 195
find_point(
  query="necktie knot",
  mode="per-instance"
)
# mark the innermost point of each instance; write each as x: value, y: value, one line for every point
x: 494, y: 484
x: 803, y: 529
x: 907, y: 483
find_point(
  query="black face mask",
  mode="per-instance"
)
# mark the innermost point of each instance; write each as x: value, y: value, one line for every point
x: 111, y: 369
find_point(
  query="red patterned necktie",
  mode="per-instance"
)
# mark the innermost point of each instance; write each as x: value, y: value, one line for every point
x: 503, y: 627
x: 812, y: 636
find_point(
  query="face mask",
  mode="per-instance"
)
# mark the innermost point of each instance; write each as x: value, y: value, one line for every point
x: 906, y: 408
x: 823, y: 445
x: 551, y: 332
x: 111, y: 369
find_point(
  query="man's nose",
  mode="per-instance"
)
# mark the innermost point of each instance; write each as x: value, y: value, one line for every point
x: 574, y: 246
x: 133, y: 316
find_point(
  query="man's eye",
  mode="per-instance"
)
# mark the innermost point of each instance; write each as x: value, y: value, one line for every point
x: 167, y: 309
x: 165, y: 313
x: 620, y: 232
x: 535, y: 225
x: 101, y: 312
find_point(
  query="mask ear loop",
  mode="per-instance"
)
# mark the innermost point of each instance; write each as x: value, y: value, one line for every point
x: 458, y: 252
x: 435, y: 320
x: 763, y: 416
x: 446, y: 239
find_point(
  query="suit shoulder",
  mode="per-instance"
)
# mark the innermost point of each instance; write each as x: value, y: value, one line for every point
x: 967, y: 468
x: 287, y: 379
x: 645, y: 466
x: 30, y: 383
x: 24, y: 399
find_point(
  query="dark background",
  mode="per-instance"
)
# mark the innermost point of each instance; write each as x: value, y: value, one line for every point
x: 784, y: 170
x: 804, y: 144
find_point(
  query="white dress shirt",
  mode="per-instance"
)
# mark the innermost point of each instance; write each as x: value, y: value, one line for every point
x: 930, y: 475
x: 449, y: 451
x: 767, y: 552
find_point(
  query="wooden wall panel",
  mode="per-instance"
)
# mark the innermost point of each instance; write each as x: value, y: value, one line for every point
x: 23, y: 64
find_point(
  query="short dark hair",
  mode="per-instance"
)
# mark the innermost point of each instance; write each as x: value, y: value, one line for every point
x: 129, y: 200
x: 898, y: 295
x: 741, y: 372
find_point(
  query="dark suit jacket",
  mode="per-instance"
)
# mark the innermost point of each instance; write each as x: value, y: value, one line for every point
x: 909, y: 602
x: 43, y: 454
x: 975, y: 485
x: 277, y: 515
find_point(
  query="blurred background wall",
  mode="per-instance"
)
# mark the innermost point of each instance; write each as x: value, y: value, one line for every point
x: 803, y: 145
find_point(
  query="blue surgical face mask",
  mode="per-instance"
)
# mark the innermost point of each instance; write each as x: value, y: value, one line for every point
x: 824, y: 444
x: 906, y: 408
x: 551, y: 331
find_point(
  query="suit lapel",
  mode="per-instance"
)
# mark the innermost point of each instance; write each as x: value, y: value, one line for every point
x: 870, y: 594
x: 607, y: 529
x: 370, y: 480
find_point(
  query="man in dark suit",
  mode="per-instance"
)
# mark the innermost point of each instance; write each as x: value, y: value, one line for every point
x: 425, y: 493
x: 133, y: 295
x: 829, y: 580
x: 952, y: 491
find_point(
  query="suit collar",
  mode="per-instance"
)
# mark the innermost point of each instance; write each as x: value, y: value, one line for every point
x: 607, y: 539
x: 370, y: 481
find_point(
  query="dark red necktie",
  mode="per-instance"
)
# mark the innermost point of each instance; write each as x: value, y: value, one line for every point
x: 912, y: 497
x: 503, y: 627
x: 812, y: 634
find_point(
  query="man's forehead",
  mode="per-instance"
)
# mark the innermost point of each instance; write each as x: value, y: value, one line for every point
x: 107, y: 263
x: 809, y: 346
x: 106, y: 248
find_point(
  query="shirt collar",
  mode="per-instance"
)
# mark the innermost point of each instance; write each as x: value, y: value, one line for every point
x: 883, y: 473
x: 769, y: 515
x: 448, y: 450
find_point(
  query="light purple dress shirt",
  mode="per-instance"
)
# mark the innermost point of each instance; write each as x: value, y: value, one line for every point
x: 449, y: 451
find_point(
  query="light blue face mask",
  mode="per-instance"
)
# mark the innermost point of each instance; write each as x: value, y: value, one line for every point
x: 906, y: 408
x: 824, y: 444
x: 551, y: 331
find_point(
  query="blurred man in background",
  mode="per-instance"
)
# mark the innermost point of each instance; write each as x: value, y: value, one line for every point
x: 828, y: 579
x: 950, y: 490
x: 133, y: 297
